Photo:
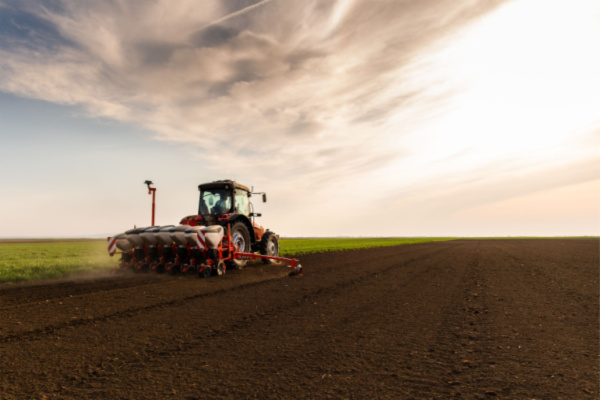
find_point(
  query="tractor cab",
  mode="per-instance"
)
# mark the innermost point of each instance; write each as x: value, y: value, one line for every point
x: 227, y: 203
x: 224, y: 197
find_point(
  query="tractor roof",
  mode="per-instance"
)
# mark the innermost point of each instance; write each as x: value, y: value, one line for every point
x: 222, y: 184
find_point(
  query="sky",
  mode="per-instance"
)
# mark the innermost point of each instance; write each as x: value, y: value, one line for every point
x: 357, y: 117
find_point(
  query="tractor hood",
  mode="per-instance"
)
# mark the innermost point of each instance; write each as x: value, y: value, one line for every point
x: 195, y: 220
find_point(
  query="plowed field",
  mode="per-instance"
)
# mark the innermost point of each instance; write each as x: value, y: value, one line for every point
x: 512, y: 319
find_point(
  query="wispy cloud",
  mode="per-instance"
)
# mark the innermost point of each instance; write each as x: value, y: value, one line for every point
x: 237, y: 13
x: 385, y: 91
x: 275, y: 77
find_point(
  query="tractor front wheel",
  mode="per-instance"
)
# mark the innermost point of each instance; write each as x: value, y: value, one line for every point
x: 241, y: 240
x: 269, y: 246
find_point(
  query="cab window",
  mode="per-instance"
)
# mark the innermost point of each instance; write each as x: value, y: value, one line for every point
x: 215, y: 201
x: 242, y: 204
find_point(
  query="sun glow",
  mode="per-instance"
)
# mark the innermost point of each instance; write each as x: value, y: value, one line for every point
x: 522, y: 82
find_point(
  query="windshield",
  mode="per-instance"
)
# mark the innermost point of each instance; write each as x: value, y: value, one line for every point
x: 215, y: 201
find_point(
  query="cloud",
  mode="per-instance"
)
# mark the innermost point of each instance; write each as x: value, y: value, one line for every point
x: 325, y: 95
x: 238, y: 13
x: 267, y: 75
x: 213, y: 36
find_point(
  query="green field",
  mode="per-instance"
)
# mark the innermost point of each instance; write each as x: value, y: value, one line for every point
x: 54, y: 259
x: 27, y: 261
x: 59, y: 258
x: 317, y: 245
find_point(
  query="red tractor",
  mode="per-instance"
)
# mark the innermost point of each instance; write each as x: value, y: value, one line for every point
x: 223, y: 235
x: 227, y: 203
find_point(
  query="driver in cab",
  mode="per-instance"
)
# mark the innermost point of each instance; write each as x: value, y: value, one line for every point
x: 222, y: 205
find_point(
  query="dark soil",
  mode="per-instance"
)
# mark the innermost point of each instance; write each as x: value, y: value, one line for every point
x: 488, y: 319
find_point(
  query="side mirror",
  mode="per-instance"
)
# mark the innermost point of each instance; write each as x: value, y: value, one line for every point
x: 264, y: 197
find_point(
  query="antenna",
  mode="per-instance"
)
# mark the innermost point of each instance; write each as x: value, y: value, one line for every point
x: 152, y: 191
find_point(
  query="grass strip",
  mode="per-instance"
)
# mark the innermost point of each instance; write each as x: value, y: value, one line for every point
x: 319, y: 245
x: 53, y: 259
x: 28, y: 261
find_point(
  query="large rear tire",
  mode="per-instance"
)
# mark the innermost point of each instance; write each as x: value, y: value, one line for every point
x: 269, y: 246
x: 241, y: 239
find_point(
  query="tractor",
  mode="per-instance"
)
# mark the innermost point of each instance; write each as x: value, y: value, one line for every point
x: 223, y: 235
x: 227, y: 203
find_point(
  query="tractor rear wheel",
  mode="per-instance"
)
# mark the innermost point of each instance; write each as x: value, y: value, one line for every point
x: 269, y: 246
x: 241, y: 239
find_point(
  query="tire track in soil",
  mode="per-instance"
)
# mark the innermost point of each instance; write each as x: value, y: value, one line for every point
x: 126, y: 313
x: 129, y: 312
x: 243, y: 326
x: 81, y: 330
x: 240, y: 327
x: 383, y: 323
x: 470, y: 364
x: 514, y: 338
x: 23, y: 294
x: 72, y: 311
x: 553, y: 334
x: 86, y: 296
